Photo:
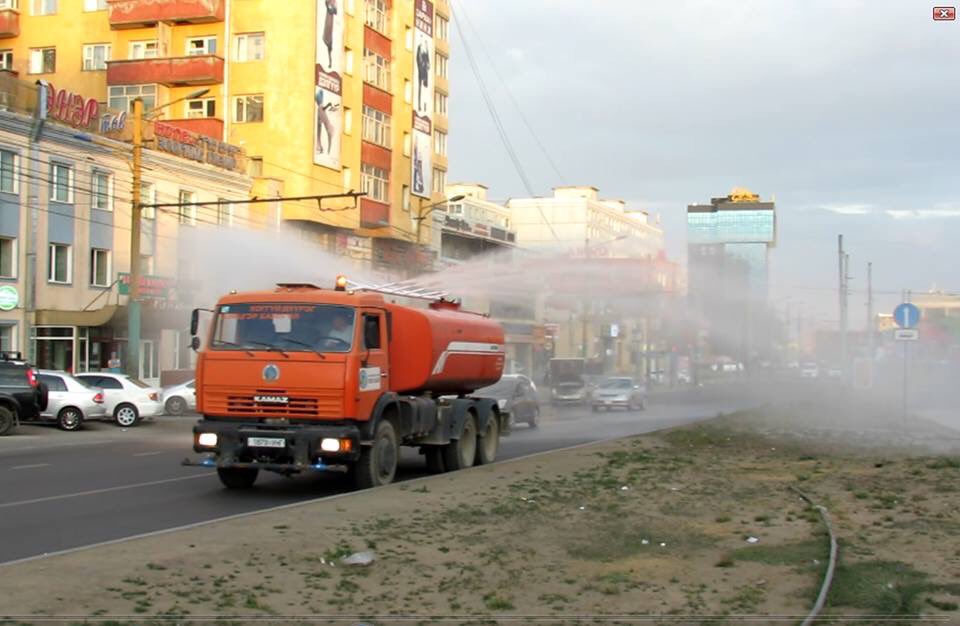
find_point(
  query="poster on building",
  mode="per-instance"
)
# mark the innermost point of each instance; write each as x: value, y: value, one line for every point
x: 422, y: 148
x: 328, y: 92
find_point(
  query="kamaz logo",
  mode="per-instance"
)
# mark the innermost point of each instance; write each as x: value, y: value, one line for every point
x: 271, y: 399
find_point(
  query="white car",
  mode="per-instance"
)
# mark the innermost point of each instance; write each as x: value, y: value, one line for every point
x: 178, y: 399
x: 71, y: 402
x: 809, y: 370
x: 127, y: 399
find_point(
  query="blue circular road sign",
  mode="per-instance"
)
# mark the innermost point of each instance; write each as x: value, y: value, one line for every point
x: 906, y: 315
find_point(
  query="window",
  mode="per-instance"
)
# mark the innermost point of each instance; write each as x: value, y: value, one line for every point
x: 53, y: 383
x: 122, y: 96
x: 95, y: 56
x: 348, y: 61
x: 60, y: 261
x: 248, y: 109
x: 405, y: 199
x: 6, y: 337
x: 375, y: 15
x: 374, y: 181
x: 8, y: 257
x: 61, y: 182
x: 43, y: 60
x: 250, y: 47
x: 440, y: 102
x: 371, y: 331
x: 224, y: 213
x: 441, y: 65
x: 376, y: 127
x: 8, y: 172
x: 376, y: 70
x: 43, y: 7
x: 94, y: 5
x: 440, y: 142
x: 347, y: 177
x: 202, y: 107
x: 146, y: 49
x: 407, y: 143
x: 146, y: 265
x: 99, y: 267
x: 347, y: 121
x: 6, y: 59
x: 439, y: 180
x: 256, y: 166
x: 201, y: 45
x: 440, y: 27
x: 148, y: 195
x: 100, y: 188
x: 9, y: 4
x: 188, y: 214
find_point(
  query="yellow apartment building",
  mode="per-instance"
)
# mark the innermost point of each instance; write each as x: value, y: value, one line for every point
x: 324, y: 96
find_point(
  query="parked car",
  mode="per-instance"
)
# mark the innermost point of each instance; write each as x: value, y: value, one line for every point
x: 71, y: 402
x: 809, y: 370
x: 178, y: 399
x: 127, y: 399
x: 517, y: 397
x: 619, y: 392
x: 22, y: 396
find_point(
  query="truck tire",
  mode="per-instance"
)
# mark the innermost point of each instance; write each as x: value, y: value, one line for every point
x: 488, y: 445
x: 434, y: 456
x: 460, y: 453
x: 378, y: 463
x: 70, y: 418
x: 237, y: 477
x: 7, y: 420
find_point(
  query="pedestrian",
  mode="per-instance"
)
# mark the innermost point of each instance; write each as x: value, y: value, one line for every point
x: 113, y: 364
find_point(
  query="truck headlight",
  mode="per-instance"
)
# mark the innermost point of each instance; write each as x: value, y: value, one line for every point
x: 207, y: 440
x: 329, y: 444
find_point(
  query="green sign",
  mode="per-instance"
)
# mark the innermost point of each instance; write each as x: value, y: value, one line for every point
x: 9, y: 298
x: 156, y: 287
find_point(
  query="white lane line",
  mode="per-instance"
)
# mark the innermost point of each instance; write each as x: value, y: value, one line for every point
x: 148, y: 453
x: 20, y: 467
x: 92, y: 492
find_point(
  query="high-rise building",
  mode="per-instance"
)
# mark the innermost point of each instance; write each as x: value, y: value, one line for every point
x: 325, y: 96
x: 728, y: 250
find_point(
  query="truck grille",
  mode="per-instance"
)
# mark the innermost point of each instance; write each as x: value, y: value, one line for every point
x: 296, y: 405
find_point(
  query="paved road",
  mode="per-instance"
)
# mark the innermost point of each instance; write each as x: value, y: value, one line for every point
x: 65, y: 490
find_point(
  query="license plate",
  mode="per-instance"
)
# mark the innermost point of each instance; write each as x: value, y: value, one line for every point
x: 266, y: 442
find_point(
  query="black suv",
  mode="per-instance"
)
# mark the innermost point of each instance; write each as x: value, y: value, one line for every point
x: 22, y: 395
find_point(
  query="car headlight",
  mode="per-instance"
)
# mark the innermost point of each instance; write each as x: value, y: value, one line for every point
x: 502, y: 403
x: 207, y: 440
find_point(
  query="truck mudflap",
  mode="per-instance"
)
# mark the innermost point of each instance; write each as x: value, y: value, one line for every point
x: 286, y: 449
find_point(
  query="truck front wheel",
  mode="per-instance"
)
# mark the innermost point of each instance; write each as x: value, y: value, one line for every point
x: 378, y: 463
x: 237, y: 477
x: 461, y: 453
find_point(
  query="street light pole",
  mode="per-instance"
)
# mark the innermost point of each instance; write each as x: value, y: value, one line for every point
x: 133, y: 307
x: 423, y: 211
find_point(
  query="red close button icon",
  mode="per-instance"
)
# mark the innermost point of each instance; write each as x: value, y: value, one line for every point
x: 944, y: 13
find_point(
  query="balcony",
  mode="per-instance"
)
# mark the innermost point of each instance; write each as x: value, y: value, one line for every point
x: 9, y: 23
x: 141, y: 13
x: 207, y: 126
x: 203, y: 69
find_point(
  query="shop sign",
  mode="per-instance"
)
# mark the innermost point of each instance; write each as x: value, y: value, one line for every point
x: 190, y: 145
x: 153, y: 287
x: 75, y: 110
x: 9, y: 298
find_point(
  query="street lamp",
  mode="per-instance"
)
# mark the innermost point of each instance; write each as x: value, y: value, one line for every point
x: 430, y: 208
x: 133, y: 307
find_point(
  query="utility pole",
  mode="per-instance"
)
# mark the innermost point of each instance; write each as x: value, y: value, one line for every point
x: 133, y: 300
x: 871, y: 346
x: 586, y: 299
x: 843, y: 303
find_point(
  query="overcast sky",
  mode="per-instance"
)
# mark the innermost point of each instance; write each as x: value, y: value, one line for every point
x: 847, y: 112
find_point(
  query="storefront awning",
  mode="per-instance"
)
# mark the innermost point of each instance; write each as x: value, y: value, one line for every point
x: 95, y: 317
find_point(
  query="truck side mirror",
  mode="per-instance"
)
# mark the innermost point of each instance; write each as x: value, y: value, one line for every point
x: 194, y: 321
x: 195, y: 343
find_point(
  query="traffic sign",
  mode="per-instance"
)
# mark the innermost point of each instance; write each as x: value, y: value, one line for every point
x: 906, y: 315
x: 906, y: 334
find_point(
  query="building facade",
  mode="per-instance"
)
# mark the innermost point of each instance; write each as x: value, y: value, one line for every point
x: 325, y: 96
x: 65, y: 235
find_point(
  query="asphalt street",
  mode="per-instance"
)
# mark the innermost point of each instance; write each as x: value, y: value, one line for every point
x: 66, y: 490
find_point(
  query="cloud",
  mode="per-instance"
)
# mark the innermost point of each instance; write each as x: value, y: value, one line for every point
x: 848, y: 209
x: 922, y: 214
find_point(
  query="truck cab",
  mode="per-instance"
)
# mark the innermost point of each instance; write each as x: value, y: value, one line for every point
x: 308, y: 379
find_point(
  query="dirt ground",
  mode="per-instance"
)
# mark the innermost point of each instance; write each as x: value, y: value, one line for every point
x: 694, y: 525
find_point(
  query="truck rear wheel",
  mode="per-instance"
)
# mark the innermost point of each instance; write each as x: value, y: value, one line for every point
x: 378, y: 463
x: 237, y: 477
x: 461, y: 453
x: 488, y: 445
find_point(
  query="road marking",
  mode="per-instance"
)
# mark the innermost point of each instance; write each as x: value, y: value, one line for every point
x: 93, y: 492
x: 20, y: 467
x: 148, y: 453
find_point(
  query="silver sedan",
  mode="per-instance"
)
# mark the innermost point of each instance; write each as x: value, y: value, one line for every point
x: 71, y: 401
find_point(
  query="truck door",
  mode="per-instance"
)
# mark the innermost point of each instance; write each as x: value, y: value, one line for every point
x: 374, y: 369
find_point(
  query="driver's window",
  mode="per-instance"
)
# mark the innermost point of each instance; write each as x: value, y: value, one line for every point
x: 371, y: 332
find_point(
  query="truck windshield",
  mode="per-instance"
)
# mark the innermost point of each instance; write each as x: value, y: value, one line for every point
x: 289, y: 327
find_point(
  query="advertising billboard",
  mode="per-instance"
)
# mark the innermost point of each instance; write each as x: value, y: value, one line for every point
x: 421, y: 161
x: 328, y: 92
